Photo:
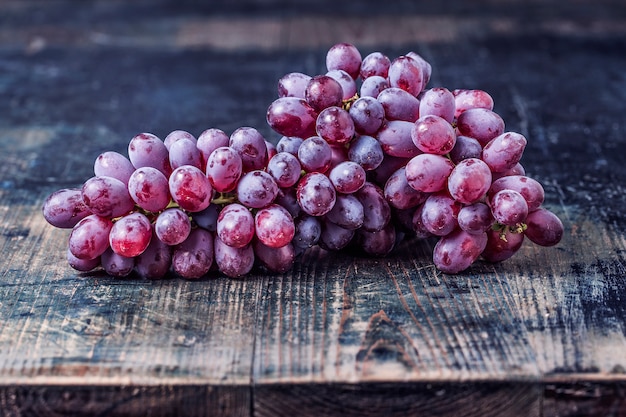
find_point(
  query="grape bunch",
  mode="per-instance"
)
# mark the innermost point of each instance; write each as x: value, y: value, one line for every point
x: 366, y: 156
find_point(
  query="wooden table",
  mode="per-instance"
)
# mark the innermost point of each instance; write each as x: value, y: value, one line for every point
x: 543, y: 333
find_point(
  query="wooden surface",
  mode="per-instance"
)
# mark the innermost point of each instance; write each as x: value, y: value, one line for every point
x: 340, y: 335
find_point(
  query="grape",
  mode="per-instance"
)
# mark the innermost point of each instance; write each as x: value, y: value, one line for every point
x: 434, y: 135
x: 210, y: 140
x: 107, y: 197
x: 469, y: 181
x: 480, y: 124
x: 475, y: 218
x: 172, y: 226
x: 373, y: 86
x: 149, y: 189
x: 402, y: 219
x: 366, y: 151
x: 190, y: 188
x: 544, y: 227
x: 293, y: 84
x: 193, y: 258
x: 347, y: 177
x: 291, y: 116
x: 155, y: 261
x: 399, y: 104
x: 347, y: 212
x: 287, y: 198
x: 504, y: 151
x: 271, y: 149
x: 334, y: 237
x: 130, y: 235
x: 395, y: 139
x: 233, y: 262
x: 250, y: 145
x: 335, y: 125
x: 378, y: 243
x: 375, y: 63
x: 367, y: 115
x: 116, y: 265
x: 418, y: 225
x: 376, y: 210
x: 344, y: 56
x: 113, y: 164
x: 407, y: 74
x: 223, y: 169
x: 82, y: 265
x: 517, y: 169
x: 529, y: 188
x: 428, y: 173
x: 274, y: 226
x: 256, y: 189
x: 471, y: 99
x: 207, y: 218
x: 385, y: 170
x: 285, y: 169
x: 90, y: 237
x: 147, y: 150
x: 185, y: 152
x: 400, y: 194
x: 508, y: 207
x: 176, y: 135
x: 315, y: 155
x: 338, y: 154
x: 64, y: 208
x: 348, y: 85
x: 426, y: 67
x: 502, y: 244
x: 458, y: 250
x: 316, y: 194
x: 322, y: 92
x: 279, y: 260
x: 438, y: 101
x: 439, y: 214
x: 307, y: 231
x: 289, y: 144
x: 464, y: 148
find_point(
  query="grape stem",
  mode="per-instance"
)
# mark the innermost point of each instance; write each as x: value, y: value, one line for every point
x: 502, y: 228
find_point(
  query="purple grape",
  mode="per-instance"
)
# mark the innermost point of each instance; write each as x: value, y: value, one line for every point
x: 149, y: 189
x: 502, y: 244
x: 293, y: 84
x: 90, y: 237
x: 517, y: 169
x: 469, y: 181
x: 316, y: 194
x: 344, y: 56
x: 480, y: 124
x: 348, y: 85
x: 308, y: 230
x: 130, y: 235
x: 366, y: 151
x: 116, y: 265
x: 113, y: 164
x: 457, y: 251
x: 155, y: 261
x: 439, y: 102
x: 334, y: 237
x: 233, y: 262
x: 400, y: 194
x: 250, y: 145
x: 193, y: 258
x: 504, y: 151
x: 395, y: 139
x: 185, y: 152
x: 172, y: 226
x: 508, y: 207
x: 379, y: 243
x: 287, y: 198
x: 376, y: 210
x: 274, y: 226
x: 373, y: 86
x: 322, y: 92
x: 176, y: 135
x: 367, y: 114
x: 386, y: 169
x: 399, y: 104
x: 439, y: 214
x: 407, y: 74
x: 289, y: 144
x: 375, y: 63
x: 530, y: 189
x: 291, y: 116
x: 338, y: 154
x: 107, y: 197
x: 347, y: 177
x: 190, y: 188
x: 223, y: 169
x: 335, y: 125
x: 278, y: 260
x: 64, y: 208
x: 464, y: 148
x: 315, y: 155
x: 418, y: 225
x: 256, y: 189
x: 347, y: 212
x: 271, y: 149
x: 207, y: 218
x: 210, y: 140
x: 428, y: 173
x: 82, y: 265
x: 475, y: 218
x: 423, y: 64
x: 285, y: 169
x: 471, y: 99
x: 432, y: 134
x: 147, y: 150
x: 544, y: 227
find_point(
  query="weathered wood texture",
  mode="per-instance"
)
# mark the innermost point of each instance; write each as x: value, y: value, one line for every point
x: 543, y: 333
